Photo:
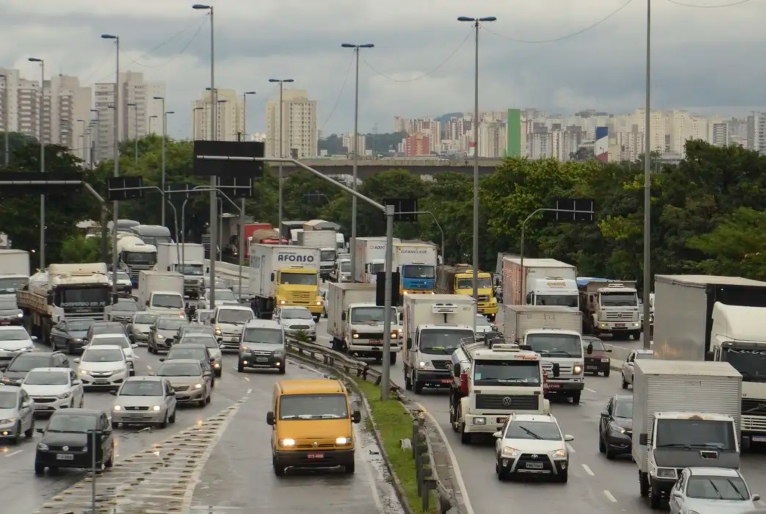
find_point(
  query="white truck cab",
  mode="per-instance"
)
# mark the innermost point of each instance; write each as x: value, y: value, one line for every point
x: 561, y: 349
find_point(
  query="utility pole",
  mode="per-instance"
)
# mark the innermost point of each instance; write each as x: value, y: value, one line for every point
x: 281, y: 154
x: 41, y: 138
x: 648, y: 182
x: 7, y: 115
x: 116, y: 204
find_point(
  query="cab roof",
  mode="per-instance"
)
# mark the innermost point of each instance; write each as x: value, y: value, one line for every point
x: 541, y: 418
x: 311, y: 386
x: 714, y: 472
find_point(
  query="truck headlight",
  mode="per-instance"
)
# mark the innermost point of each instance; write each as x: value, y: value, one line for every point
x: 424, y: 364
x: 479, y: 421
x: 342, y: 441
x: 666, y: 473
x: 354, y: 335
x: 577, y: 369
x: 287, y: 443
x: 510, y: 452
x: 117, y: 407
x: 636, y: 324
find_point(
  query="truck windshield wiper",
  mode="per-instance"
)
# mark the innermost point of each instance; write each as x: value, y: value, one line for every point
x: 528, y: 431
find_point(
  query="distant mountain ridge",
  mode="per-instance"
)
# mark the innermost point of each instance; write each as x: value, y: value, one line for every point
x: 446, y: 117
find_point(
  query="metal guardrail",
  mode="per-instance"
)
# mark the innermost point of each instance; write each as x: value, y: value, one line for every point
x: 335, y: 360
x: 228, y: 271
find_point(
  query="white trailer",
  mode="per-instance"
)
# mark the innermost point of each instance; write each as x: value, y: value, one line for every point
x: 370, y: 258
x: 356, y: 324
x: 517, y: 319
x: 533, y: 277
x: 434, y: 326
x: 169, y: 257
x: 685, y: 414
x: 14, y: 270
x: 324, y: 240
x: 161, y: 292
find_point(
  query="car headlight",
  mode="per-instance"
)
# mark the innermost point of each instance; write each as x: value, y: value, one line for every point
x: 479, y: 421
x: 666, y: 473
x: 63, y: 396
x: 342, y: 441
x: 559, y: 454
x: 20, y: 315
x: 83, y: 371
x: 157, y: 408
x: 216, y: 365
x: 218, y: 331
x: 279, y: 353
x: 511, y: 452
x: 355, y: 335
x: 160, y: 336
x: 8, y: 421
x: 286, y: 443
x: 42, y: 447
x: 604, y: 360
x: 319, y: 303
x: 117, y: 407
x: 197, y: 386
x: 577, y: 369
x: 616, y: 428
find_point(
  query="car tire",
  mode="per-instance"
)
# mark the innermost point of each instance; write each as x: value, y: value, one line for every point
x: 82, y: 400
x: 17, y: 438
x: 114, y: 424
x: 349, y: 469
x: 392, y: 359
x: 110, y: 461
x: 609, y: 454
x: 172, y: 418
x: 564, y: 476
x: 601, y: 445
x: 31, y: 430
x: 39, y: 469
x: 150, y: 348
x: 240, y: 366
x: 201, y: 403
x: 218, y: 373
x: 164, y: 423
x: 655, y: 499
x: 576, y: 397
x: 70, y: 349
x: 606, y: 373
x: 624, y: 383
x: 279, y: 469
x: 207, y: 400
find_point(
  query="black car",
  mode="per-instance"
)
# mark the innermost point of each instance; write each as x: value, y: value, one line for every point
x: 123, y: 310
x: 67, y: 441
x: 615, y: 428
x: 10, y: 314
x: 105, y: 327
x: 23, y: 363
x: 195, y: 328
x: 192, y: 351
x: 70, y: 335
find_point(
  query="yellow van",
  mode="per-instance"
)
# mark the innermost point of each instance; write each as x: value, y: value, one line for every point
x: 311, y: 422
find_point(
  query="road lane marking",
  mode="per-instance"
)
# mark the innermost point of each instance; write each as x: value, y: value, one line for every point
x: 610, y: 496
x: 247, y: 379
x: 588, y: 470
x: 368, y: 469
x: 14, y: 453
x: 249, y: 391
x: 148, y: 367
x: 569, y: 447
x: 590, y: 390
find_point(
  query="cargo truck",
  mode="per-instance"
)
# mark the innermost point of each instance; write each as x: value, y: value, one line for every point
x: 554, y: 333
x: 135, y: 256
x: 64, y: 291
x: 284, y: 276
x: 161, y: 292
x: 434, y: 327
x: 324, y: 241
x: 685, y: 414
x: 355, y: 323
x: 540, y: 282
x: 14, y: 271
x: 610, y: 307
x: 193, y: 267
x: 416, y: 264
x: 370, y: 258
x: 490, y: 384
x: 458, y: 279
x: 701, y: 317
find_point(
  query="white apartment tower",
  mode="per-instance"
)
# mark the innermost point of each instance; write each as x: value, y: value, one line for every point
x: 300, y: 136
x: 230, y: 116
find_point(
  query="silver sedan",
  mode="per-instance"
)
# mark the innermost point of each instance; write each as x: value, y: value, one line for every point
x: 144, y: 401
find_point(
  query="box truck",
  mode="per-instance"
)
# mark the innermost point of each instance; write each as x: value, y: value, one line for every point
x: 610, y: 307
x: 14, y: 270
x: 193, y: 268
x: 538, y: 282
x: 416, y: 264
x: 458, y: 279
x: 161, y: 292
x: 324, y: 241
x: 370, y: 258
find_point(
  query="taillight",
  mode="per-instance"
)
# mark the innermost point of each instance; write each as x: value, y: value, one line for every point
x: 464, y: 382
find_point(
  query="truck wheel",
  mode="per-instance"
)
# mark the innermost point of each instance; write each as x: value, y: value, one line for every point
x: 392, y: 359
x: 407, y: 380
x: 576, y: 397
x: 465, y: 438
x: 418, y: 386
x: 643, y: 484
x: 655, y: 499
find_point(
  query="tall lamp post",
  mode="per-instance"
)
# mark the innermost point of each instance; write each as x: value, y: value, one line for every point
x: 97, y: 123
x: 213, y: 121
x: 356, y: 153
x: 135, y: 129
x: 162, y: 179
x: 281, y: 155
x: 476, y: 23
x: 6, y: 154
x: 116, y: 206
x: 648, y: 182
x: 41, y: 136
x: 241, y: 237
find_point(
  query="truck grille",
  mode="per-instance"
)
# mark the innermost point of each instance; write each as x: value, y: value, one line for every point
x: 370, y: 335
x: 506, y: 402
x: 563, y: 370
x: 753, y: 407
x: 441, y: 364
x: 619, y: 316
x: 484, y: 298
x: 300, y: 296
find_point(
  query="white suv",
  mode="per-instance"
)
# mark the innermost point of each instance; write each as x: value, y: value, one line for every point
x: 53, y: 389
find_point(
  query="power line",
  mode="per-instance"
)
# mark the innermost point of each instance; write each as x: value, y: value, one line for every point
x: 719, y: 6
x: 573, y: 34
x: 340, y: 93
x: 437, y: 68
x: 101, y: 64
x: 181, y: 52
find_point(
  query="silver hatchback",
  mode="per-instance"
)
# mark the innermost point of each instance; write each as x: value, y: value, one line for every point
x: 144, y: 401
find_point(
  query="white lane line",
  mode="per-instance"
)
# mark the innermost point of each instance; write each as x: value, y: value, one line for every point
x: 249, y: 391
x: 569, y: 447
x: 368, y: 469
x: 14, y: 453
x: 588, y: 470
x: 590, y: 390
x: 453, y: 458
x: 610, y: 496
x: 148, y: 367
x: 247, y: 379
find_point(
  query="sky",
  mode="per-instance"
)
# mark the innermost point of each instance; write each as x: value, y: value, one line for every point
x: 549, y: 54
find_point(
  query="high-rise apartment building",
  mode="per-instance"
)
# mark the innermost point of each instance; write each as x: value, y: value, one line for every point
x: 756, y: 132
x: 361, y: 141
x: 230, y: 116
x: 300, y: 136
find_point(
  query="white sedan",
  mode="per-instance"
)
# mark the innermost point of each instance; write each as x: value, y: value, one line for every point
x: 53, y: 389
x: 711, y: 490
x: 629, y: 364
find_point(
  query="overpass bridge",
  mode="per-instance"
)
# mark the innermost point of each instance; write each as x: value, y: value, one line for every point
x: 367, y: 167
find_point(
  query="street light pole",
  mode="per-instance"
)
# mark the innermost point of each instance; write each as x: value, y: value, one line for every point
x: 164, y: 135
x: 41, y: 137
x: 356, y: 154
x: 476, y: 23
x: 648, y: 182
x: 241, y: 237
x: 116, y: 204
x: 213, y: 182
x: 135, y: 129
x: 7, y: 114
x: 281, y: 154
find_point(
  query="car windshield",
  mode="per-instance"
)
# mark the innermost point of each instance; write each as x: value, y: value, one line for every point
x: 123, y: 276
x: 296, y: 314
x: 179, y: 352
x: 168, y: 301
x: 47, y: 378
x: 207, y: 342
x: 71, y: 423
x: 8, y: 400
x: 125, y: 307
x: 144, y: 319
x: 102, y: 355
x: 648, y: 355
x: 14, y: 334
x: 313, y: 406
x: 717, y: 488
x: 170, y: 323
x: 78, y: 326
x: 235, y: 316
x: 8, y: 304
x: 467, y: 283
x: 418, y: 271
x: 695, y: 434
x: 298, y: 279
x: 263, y: 335
x: 619, y: 299
x: 107, y: 328
x: 555, y: 345
x: 436, y: 341
x: 623, y: 408
x: 481, y: 321
x: 224, y: 295
x: 598, y: 344
x: 205, y: 316
x: 540, y: 430
x: 518, y: 373
x: 141, y: 388
x: 198, y: 329
x: 179, y: 369
x: 26, y: 362
x: 110, y: 341
x: 361, y: 315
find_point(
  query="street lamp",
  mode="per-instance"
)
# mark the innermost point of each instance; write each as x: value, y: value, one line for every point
x: 244, y: 112
x: 356, y: 153
x: 115, y: 209
x: 83, y: 136
x: 281, y: 155
x: 6, y: 154
x: 213, y: 183
x: 164, y: 132
x: 135, y: 128
x: 476, y: 23
x: 41, y: 136
x: 241, y: 238
x: 97, y: 121
x: 648, y: 182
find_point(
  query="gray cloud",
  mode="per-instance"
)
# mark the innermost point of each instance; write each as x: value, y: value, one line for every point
x: 702, y: 58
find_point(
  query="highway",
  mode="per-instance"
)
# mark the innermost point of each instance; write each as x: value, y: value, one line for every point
x: 214, y: 459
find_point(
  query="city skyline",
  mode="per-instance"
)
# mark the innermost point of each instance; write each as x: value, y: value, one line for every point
x: 601, y: 68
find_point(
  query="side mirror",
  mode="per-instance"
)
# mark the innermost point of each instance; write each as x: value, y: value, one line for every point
x: 709, y: 356
x: 677, y: 494
x: 40, y: 430
x: 343, y: 317
x: 212, y: 360
x: 272, y: 277
x: 162, y: 359
x: 643, y: 440
x: 590, y: 348
x: 77, y: 361
x: 26, y: 404
x: 170, y: 393
x: 556, y: 369
x: 207, y: 374
x: 151, y: 374
x: 604, y: 413
x: 497, y: 435
x: 568, y: 438
x: 270, y: 418
x: 756, y: 497
x: 356, y: 416
x: 409, y: 343
x: 77, y: 382
x: 207, y: 270
x: 147, y: 303
x: 609, y: 350
x: 134, y: 345
x: 113, y: 393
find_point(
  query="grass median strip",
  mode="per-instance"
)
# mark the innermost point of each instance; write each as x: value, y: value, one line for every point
x: 394, y: 423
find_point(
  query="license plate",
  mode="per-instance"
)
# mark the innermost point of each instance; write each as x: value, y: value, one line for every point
x: 534, y: 465
x: 501, y: 421
x: 5, y: 322
x: 591, y: 367
x: 101, y: 382
x: 554, y: 386
x: 316, y: 455
x: 759, y: 439
x: 64, y: 456
x: 261, y: 359
x: 446, y: 381
x: 375, y: 341
x: 619, y: 325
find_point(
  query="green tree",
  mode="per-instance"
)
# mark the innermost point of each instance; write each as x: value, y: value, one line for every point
x: 78, y: 249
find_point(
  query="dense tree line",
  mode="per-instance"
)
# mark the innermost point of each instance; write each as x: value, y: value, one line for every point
x: 707, y: 212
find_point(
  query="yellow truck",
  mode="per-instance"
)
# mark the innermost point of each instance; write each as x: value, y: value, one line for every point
x: 282, y: 276
x: 458, y: 279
